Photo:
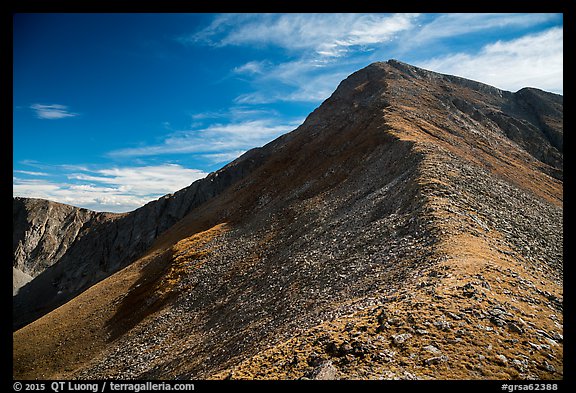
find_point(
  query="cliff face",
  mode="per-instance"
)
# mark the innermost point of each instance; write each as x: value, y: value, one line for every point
x: 43, y: 231
x: 411, y: 227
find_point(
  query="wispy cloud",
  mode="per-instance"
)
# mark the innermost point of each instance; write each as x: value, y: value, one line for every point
x: 455, y: 25
x: 252, y: 67
x: 31, y: 173
x: 143, y: 180
x: 303, y: 80
x: 236, y: 114
x: 115, y: 189
x: 325, y: 34
x: 219, y: 139
x: 534, y: 60
x: 52, y: 112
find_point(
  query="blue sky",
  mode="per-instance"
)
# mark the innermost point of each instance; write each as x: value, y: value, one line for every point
x: 112, y: 111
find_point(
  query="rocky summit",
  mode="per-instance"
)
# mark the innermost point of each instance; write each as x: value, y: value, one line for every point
x: 410, y: 228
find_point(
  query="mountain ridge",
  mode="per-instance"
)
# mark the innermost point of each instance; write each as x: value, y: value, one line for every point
x: 402, y: 187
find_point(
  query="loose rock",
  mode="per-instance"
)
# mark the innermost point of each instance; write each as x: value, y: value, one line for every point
x: 326, y: 371
x: 400, y: 339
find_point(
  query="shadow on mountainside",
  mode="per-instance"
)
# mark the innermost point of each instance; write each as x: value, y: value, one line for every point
x: 160, y: 280
x: 141, y: 300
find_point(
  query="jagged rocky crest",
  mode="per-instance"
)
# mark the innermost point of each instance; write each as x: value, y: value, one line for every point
x: 410, y: 225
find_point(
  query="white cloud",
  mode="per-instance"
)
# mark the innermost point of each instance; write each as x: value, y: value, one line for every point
x: 117, y: 189
x: 252, y: 67
x: 453, y: 25
x: 303, y: 80
x: 534, y: 60
x: 52, y: 112
x: 214, y: 139
x: 236, y: 113
x: 307, y: 87
x: 144, y: 180
x: 325, y: 34
x: 32, y: 173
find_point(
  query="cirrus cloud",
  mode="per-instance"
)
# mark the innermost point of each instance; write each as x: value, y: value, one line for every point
x: 215, y: 140
x: 52, y: 112
x: 326, y: 34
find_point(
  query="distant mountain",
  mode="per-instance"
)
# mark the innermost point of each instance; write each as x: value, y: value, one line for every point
x: 410, y: 228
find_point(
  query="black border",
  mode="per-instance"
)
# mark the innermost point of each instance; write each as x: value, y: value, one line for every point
x: 183, y: 6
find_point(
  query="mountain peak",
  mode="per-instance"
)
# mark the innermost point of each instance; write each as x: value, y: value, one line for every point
x: 409, y: 205
x: 410, y: 78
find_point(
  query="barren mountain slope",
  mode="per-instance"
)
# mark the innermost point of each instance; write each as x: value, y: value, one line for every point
x: 405, y: 230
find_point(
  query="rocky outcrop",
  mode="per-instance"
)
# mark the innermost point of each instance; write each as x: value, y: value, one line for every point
x: 43, y: 231
x: 410, y: 225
